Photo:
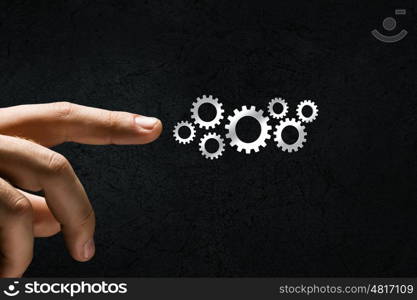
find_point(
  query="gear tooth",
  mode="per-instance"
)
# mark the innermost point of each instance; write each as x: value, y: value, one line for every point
x: 247, y: 151
x: 252, y: 107
x: 236, y: 111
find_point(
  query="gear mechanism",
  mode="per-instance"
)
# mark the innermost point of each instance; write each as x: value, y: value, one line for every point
x: 188, y: 139
x: 258, y: 116
x: 203, y: 149
x: 314, y: 109
x: 301, y: 135
x: 284, y: 111
x: 210, y: 100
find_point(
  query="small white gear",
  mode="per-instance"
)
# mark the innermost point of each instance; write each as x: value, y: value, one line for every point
x: 231, y: 128
x: 284, y: 111
x: 301, y: 135
x: 203, y: 149
x: 188, y: 139
x: 217, y: 105
x: 314, y: 109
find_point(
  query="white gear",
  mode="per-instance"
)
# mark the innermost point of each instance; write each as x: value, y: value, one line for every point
x: 231, y: 128
x: 188, y: 139
x: 203, y: 149
x: 217, y: 105
x: 314, y: 109
x: 284, y: 111
x: 301, y: 135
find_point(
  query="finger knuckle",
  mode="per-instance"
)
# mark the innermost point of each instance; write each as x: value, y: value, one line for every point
x: 113, y: 121
x: 58, y: 163
x: 20, y: 206
x: 63, y: 109
x: 89, y: 217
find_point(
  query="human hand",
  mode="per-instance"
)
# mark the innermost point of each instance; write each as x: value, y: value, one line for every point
x: 25, y: 162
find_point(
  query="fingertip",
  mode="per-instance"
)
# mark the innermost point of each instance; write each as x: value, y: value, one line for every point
x: 158, y: 128
x: 149, y: 128
x: 80, y: 239
x: 89, y: 250
x: 85, y: 252
x: 144, y: 122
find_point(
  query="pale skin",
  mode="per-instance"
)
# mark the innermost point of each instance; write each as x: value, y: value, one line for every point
x: 26, y: 162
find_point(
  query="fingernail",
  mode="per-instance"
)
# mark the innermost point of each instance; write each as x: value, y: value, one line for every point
x: 89, y: 249
x: 146, y: 122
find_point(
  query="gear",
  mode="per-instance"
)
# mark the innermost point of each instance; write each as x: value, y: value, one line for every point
x: 284, y: 111
x: 178, y: 127
x: 314, y: 109
x: 301, y: 135
x: 231, y: 128
x: 218, y: 152
x: 217, y: 105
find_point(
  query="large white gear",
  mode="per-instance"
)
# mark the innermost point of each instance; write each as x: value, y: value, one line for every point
x: 301, y: 135
x: 188, y: 139
x: 203, y: 149
x: 314, y: 109
x: 284, y: 111
x: 231, y: 128
x: 210, y: 100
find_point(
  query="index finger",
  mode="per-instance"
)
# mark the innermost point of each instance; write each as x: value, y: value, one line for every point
x: 54, y: 123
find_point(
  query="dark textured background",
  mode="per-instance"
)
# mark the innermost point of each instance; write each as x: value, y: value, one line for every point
x: 344, y: 205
